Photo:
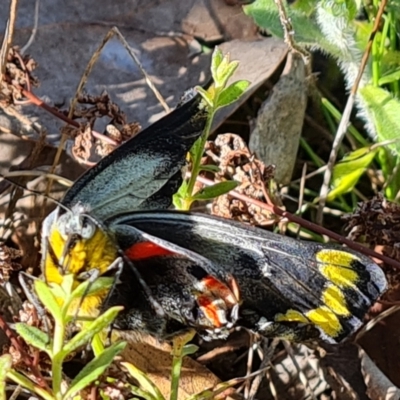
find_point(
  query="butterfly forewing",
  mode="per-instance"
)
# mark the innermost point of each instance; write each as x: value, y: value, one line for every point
x: 132, y: 176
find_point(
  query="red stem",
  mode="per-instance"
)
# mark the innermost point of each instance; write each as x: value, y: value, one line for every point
x: 36, y: 101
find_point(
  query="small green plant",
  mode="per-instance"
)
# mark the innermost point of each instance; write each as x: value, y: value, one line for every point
x: 58, y: 300
x: 217, y: 96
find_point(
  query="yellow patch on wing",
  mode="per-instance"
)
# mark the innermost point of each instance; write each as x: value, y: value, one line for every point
x: 336, y: 267
x: 292, y: 316
x: 325, y: 319
x: 335, y: 300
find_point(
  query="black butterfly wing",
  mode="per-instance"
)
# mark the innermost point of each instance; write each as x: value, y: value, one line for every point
x: 280, y: 279
x: 144, y: 172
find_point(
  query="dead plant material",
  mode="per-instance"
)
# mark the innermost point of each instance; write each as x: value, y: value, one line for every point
x: 100, y: 106
x: 18, y: 74
x: 377, y: 222
x: 93, y: 108
x: 120, y: 134
x: 83, y: 144
x: 235, y: 162
x: 8, y: 262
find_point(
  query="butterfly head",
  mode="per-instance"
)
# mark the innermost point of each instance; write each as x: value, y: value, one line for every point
x: 74, y: 243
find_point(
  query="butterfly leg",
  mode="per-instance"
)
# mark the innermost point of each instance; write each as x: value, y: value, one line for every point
x: 32, y: 297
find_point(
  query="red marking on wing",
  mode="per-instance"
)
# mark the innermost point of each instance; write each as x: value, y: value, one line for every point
x: 220, y: 289
x: 210, y: 309
x: 143, y: 250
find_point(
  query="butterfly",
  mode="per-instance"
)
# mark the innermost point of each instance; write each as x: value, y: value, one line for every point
x: 185, y: 270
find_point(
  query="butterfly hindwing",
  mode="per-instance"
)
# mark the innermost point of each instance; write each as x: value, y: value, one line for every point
x: 280, y: 279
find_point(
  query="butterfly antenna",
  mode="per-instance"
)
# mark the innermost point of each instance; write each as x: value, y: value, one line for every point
x: 35, y: 192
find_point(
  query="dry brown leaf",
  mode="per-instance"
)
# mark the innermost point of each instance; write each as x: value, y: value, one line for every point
x: 154, y: 358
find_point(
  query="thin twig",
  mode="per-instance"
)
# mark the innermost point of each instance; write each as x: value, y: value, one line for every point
x: 139, y: 64
x: 60, y: 179
x: 384, y: 314
x: 268, y: 352
x: 40, y: 103
x: 84, y: 78
x: 344, y: 122
x: 8, y: 36
x: 249, y: 365
x: 302, y: 375
x: 34, y: 30
x: 301, y: 193
x: 288, y: 31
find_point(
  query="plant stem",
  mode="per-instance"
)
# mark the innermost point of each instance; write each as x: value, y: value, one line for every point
x: 338, y: 116
x: 393, y: 42
x: 197, y: 159
x: 176, y: 372
x: 28, y: 384
x: 58, y: 358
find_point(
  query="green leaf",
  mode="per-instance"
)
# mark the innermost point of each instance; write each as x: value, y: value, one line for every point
x: 232, y: 93
x: 89, y: 288
x: 33, y: 336
x: 389, y: 78
x: 225, y: 71
x: 5, y: 366
x: 144, y: 382
x: 196, y: 150
x: 142, y: 394
x: 27, y: 384
x: 68, y: 283
x: 206, y: 96
x: 216, y: 60
x: 48, y: 300
x: 189, y: 349
x: 305, y: 6
x: 97, y: 345
x: 306, y: 30
x: 96, y: 326
x: 94, y: 369
x: 342, y: 9
x: 384, y: 111
x: 211, y: 192
x: 180, y: 195
x: 348, y: 171
x: 210, y: 168
x: 58, y: 292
